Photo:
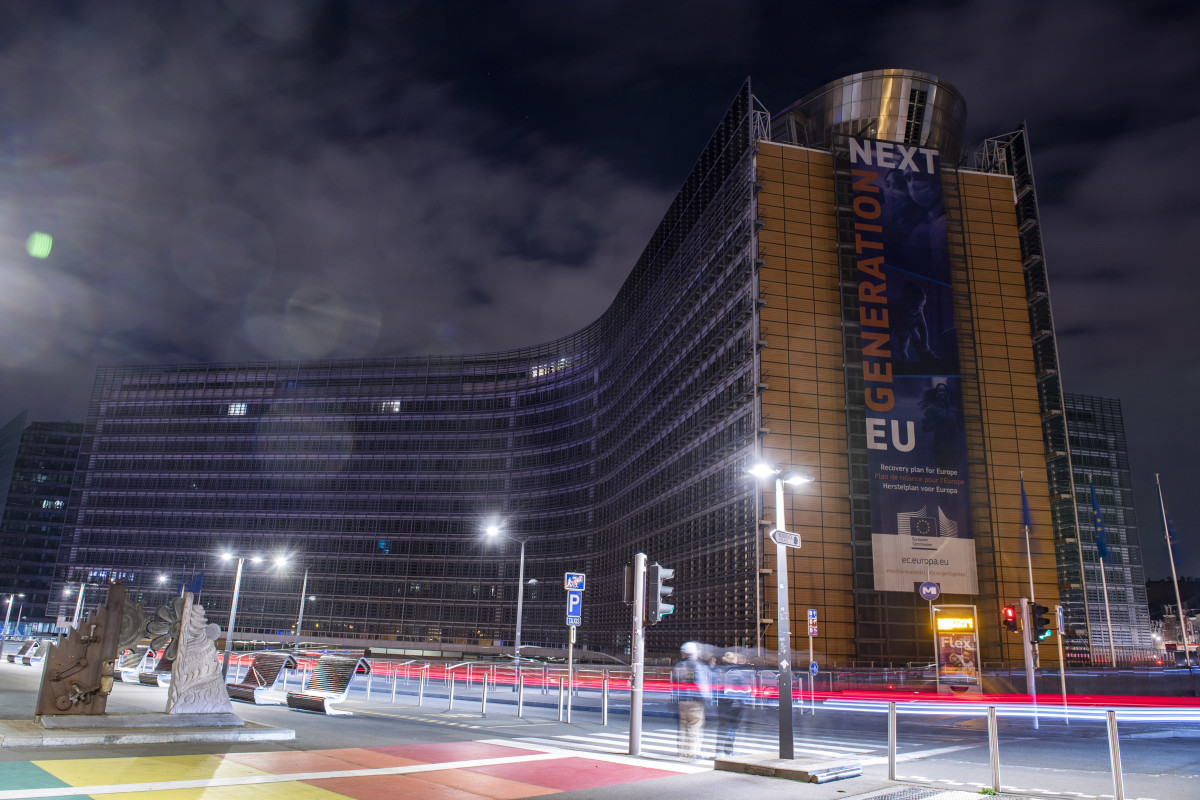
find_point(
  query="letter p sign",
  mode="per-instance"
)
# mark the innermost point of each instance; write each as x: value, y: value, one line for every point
x: 574, y: 607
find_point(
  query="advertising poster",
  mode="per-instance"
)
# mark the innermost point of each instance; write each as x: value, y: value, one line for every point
x: 916, y: 442
x: 957, y: 646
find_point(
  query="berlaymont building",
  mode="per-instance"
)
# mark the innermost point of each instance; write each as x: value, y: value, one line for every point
x: 843, y: 287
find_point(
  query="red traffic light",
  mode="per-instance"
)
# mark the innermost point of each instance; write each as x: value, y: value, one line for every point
x: 1011, y: 618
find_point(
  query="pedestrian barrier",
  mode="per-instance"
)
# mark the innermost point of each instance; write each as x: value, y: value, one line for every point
x: 131, y: 664
x: 261, y: 682
x: 328, y: 685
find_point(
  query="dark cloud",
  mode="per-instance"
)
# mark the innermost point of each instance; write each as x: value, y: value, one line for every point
x: 244, y: 179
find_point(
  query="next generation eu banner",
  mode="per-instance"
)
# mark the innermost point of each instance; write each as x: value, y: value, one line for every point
x: 916, y: 442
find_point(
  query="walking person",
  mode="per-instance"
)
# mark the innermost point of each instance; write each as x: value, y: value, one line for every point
x: 733, y: 690
x: 691, y: 689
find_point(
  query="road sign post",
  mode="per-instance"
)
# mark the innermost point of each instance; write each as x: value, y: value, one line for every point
x: 931, y: 591
x: 638, y: 654
x: 574, y: 583
x: 570, y: 672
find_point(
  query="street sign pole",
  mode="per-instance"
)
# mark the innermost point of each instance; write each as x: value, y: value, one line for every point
x: 574, y: 585
x: 637, y: 655
x: 931, y: 591
x: 787, y: 749
x: 570, y: 672
x: 1062, y: 664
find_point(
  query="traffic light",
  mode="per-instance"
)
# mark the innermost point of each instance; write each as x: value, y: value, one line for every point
x: 1011, y: 618
x: 1039, y: 622
x: 656, y: 586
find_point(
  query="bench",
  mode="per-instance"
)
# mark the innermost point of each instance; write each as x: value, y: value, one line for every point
x: 132, y: 664
x: 38, y: 654
x: 160, y: 675
x: 26, y: 646
x: 259, y: 684
x: 328, y: 685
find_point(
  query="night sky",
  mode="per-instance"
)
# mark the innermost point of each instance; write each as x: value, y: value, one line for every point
x: 280, y: 179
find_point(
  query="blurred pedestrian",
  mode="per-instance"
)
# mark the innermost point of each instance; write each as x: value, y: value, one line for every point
x: 733, y: 686
x: 691, y: 689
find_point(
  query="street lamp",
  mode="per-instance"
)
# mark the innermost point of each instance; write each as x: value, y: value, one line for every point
x: 761, y: 471
x: 494, y: 531
x: 237, y: 585
x: 4, y: 633
x: 300, y: 616
x: 281, y: 561
x: 79, y: 605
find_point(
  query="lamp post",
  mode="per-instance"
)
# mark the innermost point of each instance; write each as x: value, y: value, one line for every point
x: 79, y: 605
x: 493, y: 531
x: 237, y: 585
x: 300, y: 616
x: 786, y: 745
x: 4, y: 633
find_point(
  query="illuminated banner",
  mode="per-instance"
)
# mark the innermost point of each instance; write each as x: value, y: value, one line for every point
x: 957, y: 647
x: 916, y: 444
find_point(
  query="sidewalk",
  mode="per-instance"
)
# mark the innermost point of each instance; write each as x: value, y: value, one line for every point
x: 371, y: 766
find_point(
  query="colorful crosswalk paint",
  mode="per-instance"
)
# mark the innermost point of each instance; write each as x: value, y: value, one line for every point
x: 458, y: 770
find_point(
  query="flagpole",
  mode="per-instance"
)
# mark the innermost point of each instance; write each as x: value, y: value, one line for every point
x: 1174, y: 579
x: 1028, y: 554
x: 1098, y: 527
x: 1025, y: 515
x: 1112, y: 652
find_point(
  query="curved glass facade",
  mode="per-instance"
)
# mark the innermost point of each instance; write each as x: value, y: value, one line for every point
x: 741, y: 332
x: 379, y: 475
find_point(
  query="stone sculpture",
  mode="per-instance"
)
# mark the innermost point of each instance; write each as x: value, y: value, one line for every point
x: 196, y: 683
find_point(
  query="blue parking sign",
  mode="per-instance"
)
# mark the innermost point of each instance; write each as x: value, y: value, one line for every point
x: 574, y: 607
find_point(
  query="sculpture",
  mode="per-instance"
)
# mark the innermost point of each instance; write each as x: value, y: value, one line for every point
x: 77, y: 675
x: 196, y: 683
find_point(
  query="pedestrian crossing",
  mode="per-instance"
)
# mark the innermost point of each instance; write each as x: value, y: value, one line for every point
x: 664, y: 743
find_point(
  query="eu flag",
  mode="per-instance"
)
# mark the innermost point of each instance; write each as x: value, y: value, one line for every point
x: 195, y: 584
x: 1025, y: 506
x: 1098, y: 521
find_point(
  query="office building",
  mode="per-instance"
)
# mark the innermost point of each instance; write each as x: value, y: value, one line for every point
x: 1100, y: 459
x: 34, y: 512
x: 842, y: 287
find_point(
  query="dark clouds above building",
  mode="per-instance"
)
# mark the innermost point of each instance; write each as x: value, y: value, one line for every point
x: 246, y: 180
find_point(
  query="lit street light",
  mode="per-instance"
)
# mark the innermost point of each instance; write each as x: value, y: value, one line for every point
x: 79, y: 605
x: 4, y: 633
x: 237, y: 585
x: 303, y: 596
x: 786, y: 745
x: 493, y: 531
